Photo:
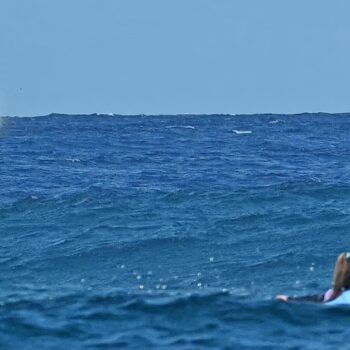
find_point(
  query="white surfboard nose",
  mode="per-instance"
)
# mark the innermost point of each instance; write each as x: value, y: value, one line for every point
x: 343, y: 299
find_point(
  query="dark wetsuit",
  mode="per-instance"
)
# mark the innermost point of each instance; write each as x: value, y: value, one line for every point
x: 319, y: 298
x: 316, y: 298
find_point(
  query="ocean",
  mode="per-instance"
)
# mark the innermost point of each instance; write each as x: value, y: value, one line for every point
x: 172, y: 232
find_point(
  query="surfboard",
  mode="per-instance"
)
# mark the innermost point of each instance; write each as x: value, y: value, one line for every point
x: 343, y: 299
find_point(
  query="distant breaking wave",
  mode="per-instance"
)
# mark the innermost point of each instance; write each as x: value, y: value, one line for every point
x: 242, y: 132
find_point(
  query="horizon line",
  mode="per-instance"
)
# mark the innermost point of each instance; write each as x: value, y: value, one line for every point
x: 60, y: 114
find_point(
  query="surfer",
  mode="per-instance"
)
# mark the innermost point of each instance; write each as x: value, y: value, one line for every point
x: 341, y: 283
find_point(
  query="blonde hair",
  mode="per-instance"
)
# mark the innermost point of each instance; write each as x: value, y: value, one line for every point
x: 341, y: 275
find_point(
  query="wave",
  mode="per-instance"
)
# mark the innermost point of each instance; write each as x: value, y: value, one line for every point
x: 242, y: 132
x: 180, y: 127
x: 178, y: 319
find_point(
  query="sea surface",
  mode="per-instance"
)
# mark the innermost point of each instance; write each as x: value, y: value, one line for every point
x: 172, y: 232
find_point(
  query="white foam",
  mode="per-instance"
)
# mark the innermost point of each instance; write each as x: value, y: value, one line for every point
x: 274, y: 121
x: 73, y: 160
x: 242, y: 132
x: 180, y: 127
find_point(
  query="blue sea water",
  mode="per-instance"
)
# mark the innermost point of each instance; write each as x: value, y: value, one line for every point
x: 172, y: 232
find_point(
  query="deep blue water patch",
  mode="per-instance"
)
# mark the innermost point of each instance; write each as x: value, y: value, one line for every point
x: 171, y: 232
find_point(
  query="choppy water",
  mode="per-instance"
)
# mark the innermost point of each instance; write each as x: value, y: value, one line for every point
x: 171, y: 232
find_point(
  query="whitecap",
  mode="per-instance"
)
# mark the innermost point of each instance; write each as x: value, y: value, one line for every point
x: 73, y: 160
x: 58, y: 242
x: 180, y: 127
x: 242, y: 132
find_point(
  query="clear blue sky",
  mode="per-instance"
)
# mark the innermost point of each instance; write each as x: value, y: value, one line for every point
x: 174, y: 56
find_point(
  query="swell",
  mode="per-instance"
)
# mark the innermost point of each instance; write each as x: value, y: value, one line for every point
x: 95, y: 218
x: 177, y: 320
x: 96, y: 198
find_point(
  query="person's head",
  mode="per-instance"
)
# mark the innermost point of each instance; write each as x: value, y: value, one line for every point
x: 341, y: 276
